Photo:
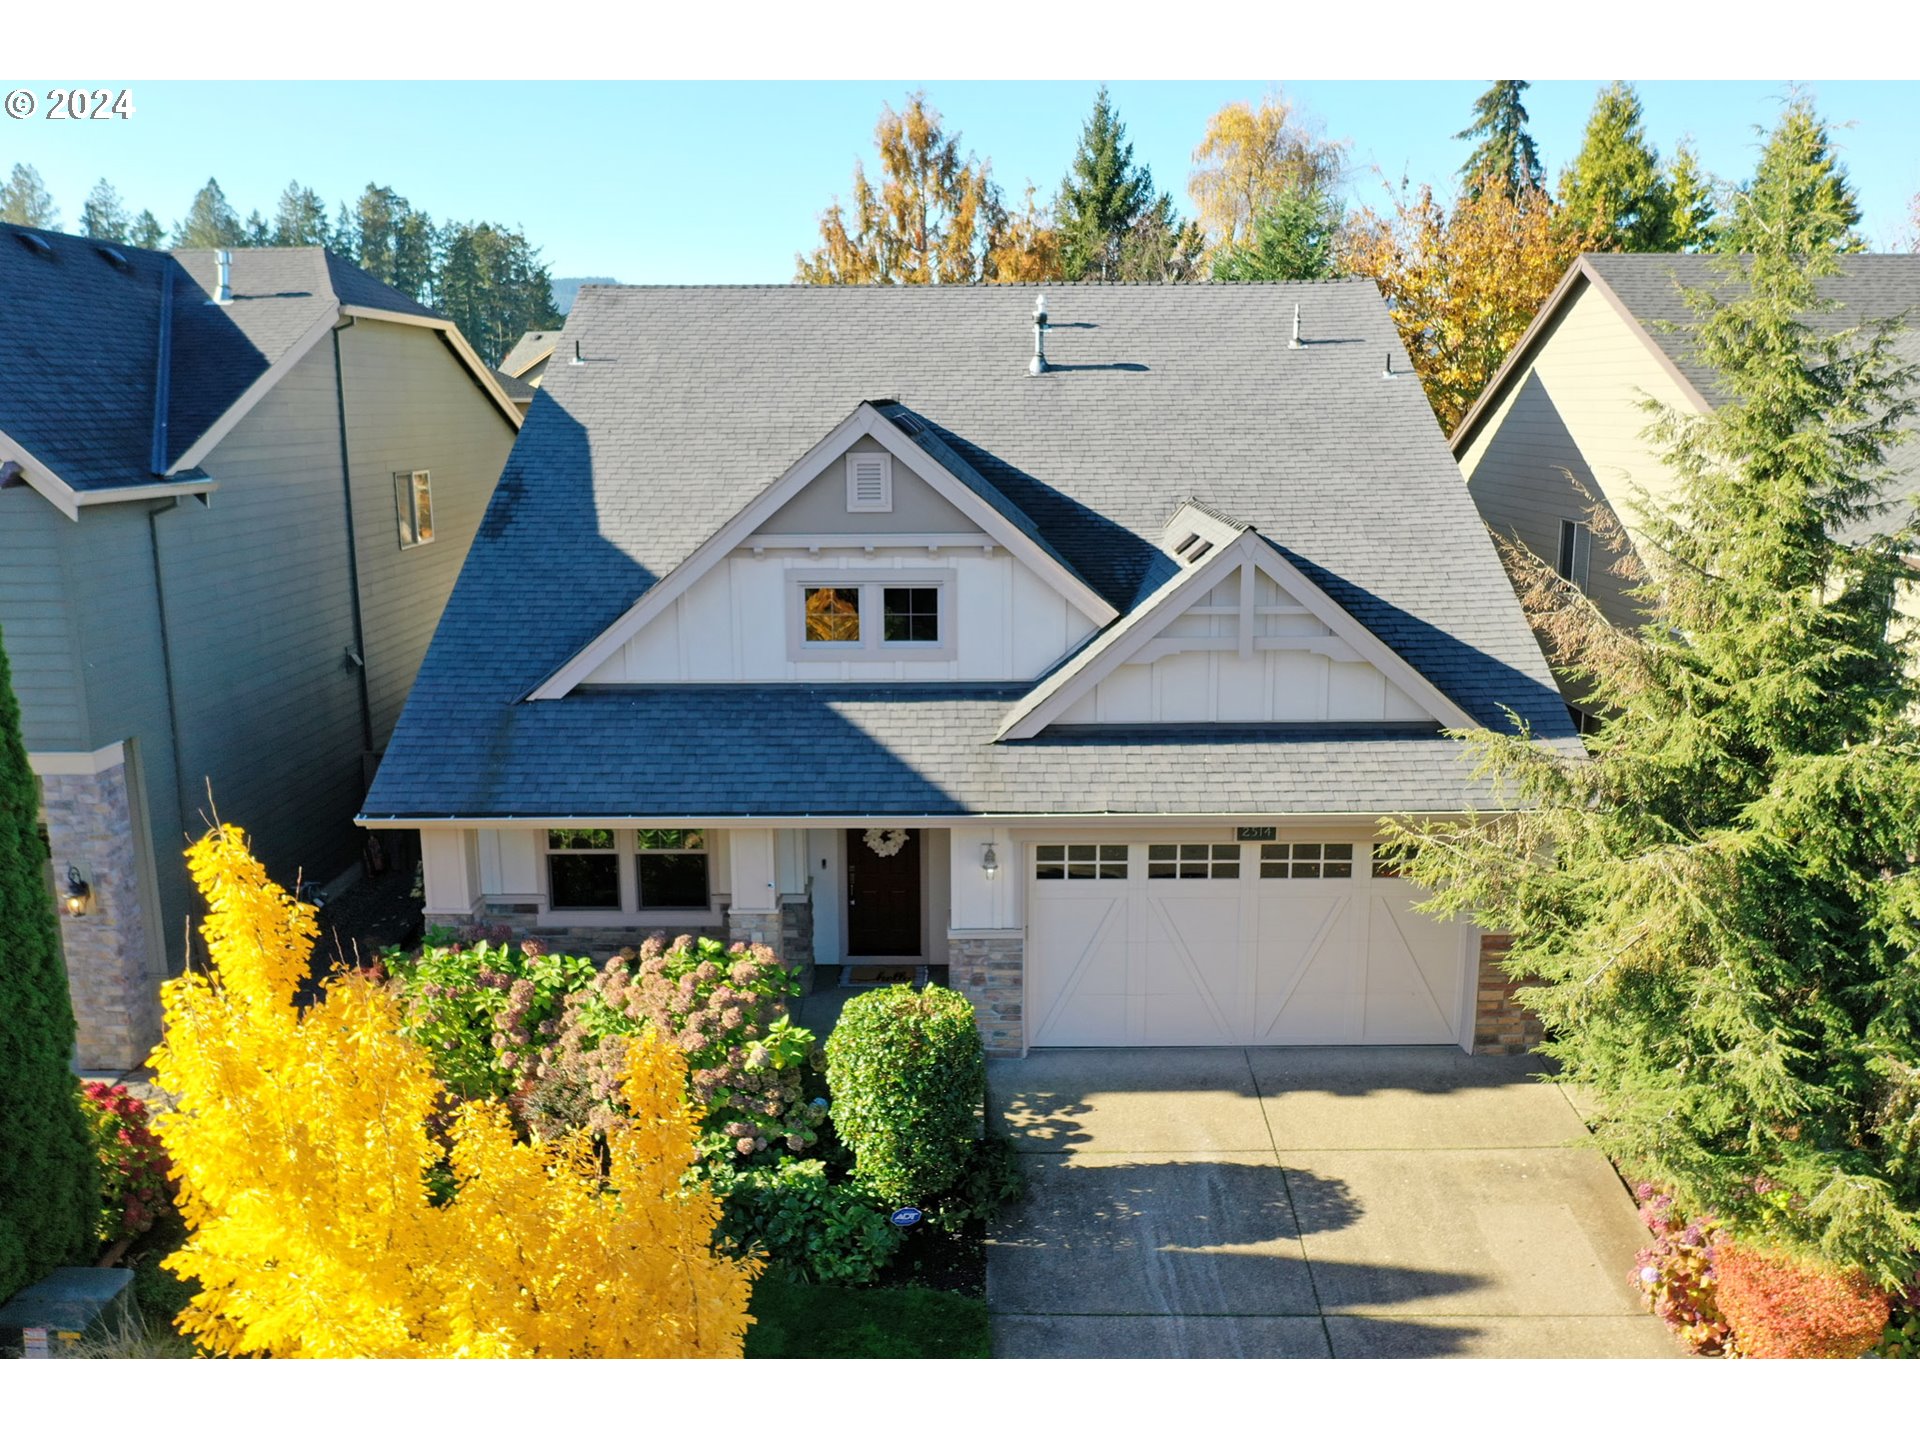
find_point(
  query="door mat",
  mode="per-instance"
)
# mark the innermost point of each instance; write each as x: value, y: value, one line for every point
x: 879, y: 973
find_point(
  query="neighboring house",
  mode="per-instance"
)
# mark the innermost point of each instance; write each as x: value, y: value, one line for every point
x: 811, y: 616
x: 233, y: 499
x: 1566, y: 409
x: 527, y: 360
x: 519, y: 391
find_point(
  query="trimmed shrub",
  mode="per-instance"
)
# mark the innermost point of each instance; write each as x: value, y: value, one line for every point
x: 134, y: 1188
x: 1783, y: 1308
x: 808, y: 1227
x: 907, y: 1075
x: 48, y: 1184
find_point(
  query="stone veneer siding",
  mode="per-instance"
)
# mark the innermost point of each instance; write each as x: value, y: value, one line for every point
x: 990, y: 970
x: 1501, y: 1025
x: 116, y: 995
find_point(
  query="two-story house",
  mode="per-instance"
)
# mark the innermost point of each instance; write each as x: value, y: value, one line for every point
x: 1080, y: 653
x: 235, y: 490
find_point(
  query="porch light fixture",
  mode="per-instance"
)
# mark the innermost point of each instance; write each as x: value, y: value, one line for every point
x: 989, y: 861
x: 79, y: 893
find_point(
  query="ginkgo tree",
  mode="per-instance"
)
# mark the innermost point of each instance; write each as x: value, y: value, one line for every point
x: 327, y: 1216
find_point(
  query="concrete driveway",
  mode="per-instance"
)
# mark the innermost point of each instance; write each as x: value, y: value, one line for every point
x: 1342, y: 1202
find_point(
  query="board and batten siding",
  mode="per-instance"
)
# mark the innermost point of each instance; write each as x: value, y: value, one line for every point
x: 1575, y: 408
x: 410, y: 405
x: 37, y: 622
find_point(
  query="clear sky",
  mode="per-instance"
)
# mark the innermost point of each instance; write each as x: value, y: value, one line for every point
x: 697, y: 181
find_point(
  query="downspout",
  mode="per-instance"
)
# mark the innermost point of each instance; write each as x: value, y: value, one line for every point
x: 166, y: 661
x: 353, y: 544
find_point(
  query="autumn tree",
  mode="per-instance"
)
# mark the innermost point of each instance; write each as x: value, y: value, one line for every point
x: 1296, y: 237
x: 1024, y: 245
x: 1102, y: 198
x: 1250, y: 158
x: 1799, y: 193
x: 329, y: 1218
x: 211, y: 223
x: 1463, y: 283
x: 103, y: 216
x: 1690, y: 201
x: 1615, y: 190
x: 1503, y: 150
x: 1162, y: 248
x: 25, y: 200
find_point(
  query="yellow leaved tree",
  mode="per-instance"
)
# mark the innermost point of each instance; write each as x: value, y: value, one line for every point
x: 304, y: 1143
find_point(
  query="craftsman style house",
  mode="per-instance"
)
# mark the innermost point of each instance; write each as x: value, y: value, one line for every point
x: 1078, y: 653
x: 235, y: 491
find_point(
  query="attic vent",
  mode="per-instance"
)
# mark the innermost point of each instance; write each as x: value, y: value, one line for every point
x: 1199, y: 551
x: 869, y: 483
x: 33, y: 242
x: 113, y: 257
x: 1185, y: 545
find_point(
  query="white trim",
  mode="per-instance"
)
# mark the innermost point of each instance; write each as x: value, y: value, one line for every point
x: 158, y: 491
x: 40, y: 478
x: 864, y: 421
x: 871, y: 582
x: 252, y: 395
x: 869, y: 543
x: 77, y: 762
x: 1033, y: 714
x: 1021, y: 821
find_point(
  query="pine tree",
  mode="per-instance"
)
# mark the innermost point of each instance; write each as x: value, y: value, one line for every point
x: 47, y: 1177
x: 492, y: 285
x: 146, y: 231
x: 300, y: 218
x: 1102, y: 197
x: 1799, y: 193
x: 1720, y: 909
x: 1504, y: 149
x: 1294, y: 238
x: 255, y: 231
x: 211, y: 223
x: 1690, y: 208
x: 1614, y: 192
x: 103, y: 217
x: 24, y: 200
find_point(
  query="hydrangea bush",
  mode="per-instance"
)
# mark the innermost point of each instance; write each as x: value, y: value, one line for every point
x: 1676, y: 1275
x: 134, y: 1188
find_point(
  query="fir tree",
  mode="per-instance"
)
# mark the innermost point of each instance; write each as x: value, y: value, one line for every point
x: 1294, y: 238
x: 300, y: 218
x: 1504, y: 149
x: 146, y: 231
x: 47, y: 1179
x: 1720, y: 908
x: 1690, y: 208
x: 255, y: 231
x: 1799, y: 193
x: 24, y: 200
x: 211, y: 223
x: 1614, y: 192
x: 103, y: 217
x: 1102, y: 197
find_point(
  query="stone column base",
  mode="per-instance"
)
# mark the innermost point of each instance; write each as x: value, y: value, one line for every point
x: 754, y: 927
x: 1501, y: 1025
x: 989, y: 968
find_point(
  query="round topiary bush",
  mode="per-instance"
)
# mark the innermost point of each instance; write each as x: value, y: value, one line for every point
x: 907, y: 1078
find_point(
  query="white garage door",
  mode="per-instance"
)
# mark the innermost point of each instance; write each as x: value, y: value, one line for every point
x: 1291, y: 942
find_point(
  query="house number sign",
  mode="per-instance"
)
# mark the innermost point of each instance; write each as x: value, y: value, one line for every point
x: 1255, y: 832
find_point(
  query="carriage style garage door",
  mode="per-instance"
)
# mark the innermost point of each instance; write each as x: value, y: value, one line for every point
x: 1289, y: 942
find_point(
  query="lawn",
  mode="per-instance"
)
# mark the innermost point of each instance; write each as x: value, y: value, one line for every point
x: 826, y: 1322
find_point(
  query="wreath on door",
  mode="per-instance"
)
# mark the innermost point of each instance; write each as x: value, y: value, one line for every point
x: 885, y: 843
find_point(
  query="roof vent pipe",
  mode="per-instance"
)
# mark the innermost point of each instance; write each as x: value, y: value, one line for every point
x: 1387, y: 374
x: 1038, y: 365
x: 1294, y: 344
x: 578, y: 359
x: 223, y: 259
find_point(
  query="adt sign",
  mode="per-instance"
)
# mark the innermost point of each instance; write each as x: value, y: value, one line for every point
x: 906, y: 1215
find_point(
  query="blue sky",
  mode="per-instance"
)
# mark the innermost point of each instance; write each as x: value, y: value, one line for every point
x: 703, y: 181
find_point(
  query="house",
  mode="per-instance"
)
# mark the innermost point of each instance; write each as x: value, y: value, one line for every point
x: 844, y: 620
x: 235, y: 490
x: 527, y: 361
x: 519, y: 391
x: 1565, y: 412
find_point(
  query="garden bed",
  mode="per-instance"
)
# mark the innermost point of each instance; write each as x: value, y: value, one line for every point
x: 828, y: 1322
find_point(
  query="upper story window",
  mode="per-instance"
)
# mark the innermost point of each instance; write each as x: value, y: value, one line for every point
x: 910, y: 614
x: 1576, y: 545
x: 872, y: 615
x: 832, y: 614
x: 413, y: 498
x: 869, y: 482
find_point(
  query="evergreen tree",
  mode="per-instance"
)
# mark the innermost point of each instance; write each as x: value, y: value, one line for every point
x: 1614, y: 192
x: 103, y: 217
x: 211, y: 223
x: 1504, y: 149
x: 255, y: 230
x: 24, y: 200
x: 1690, y: 209
x: 1294, y: 238
x: 493, y: 286
x: 345, y: 239
x: 1799, y: 194
x: 1102, y: 197
x: 1719, y: 910
x: 1253, y: 155
x: 300, y: 218
x: 48, y: 1192
x: 146, y: 232
x: 1161, y: 247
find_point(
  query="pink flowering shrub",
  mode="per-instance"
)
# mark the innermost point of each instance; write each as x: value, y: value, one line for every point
x: 134, y: 1188
x: 1676, y: 1274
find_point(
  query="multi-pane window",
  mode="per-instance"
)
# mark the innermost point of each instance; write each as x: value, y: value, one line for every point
x: 1079, y: 862
x: 910, y: 614
x: 1576, y: 547
x: 413, y: 498
x: 833, y: 614
x: 671, y: 867
x: 583, y: 870
x: 1193, y: 862
x: 1307, y: 860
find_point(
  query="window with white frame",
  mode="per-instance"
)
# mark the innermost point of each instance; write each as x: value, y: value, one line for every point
x: 1193, y: 862
x: 872, y: 615
x: 413, y: 499
x: 1307, y: 860
x: 670, y: 870
x: 1080, y: 862
x: 583, y: 870
x: 1576, y: 546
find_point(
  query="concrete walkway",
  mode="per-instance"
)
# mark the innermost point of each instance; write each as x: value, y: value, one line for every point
x: 1307, y: 1202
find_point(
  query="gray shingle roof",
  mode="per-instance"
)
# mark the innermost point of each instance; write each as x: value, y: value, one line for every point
x: 529, y: 350
x: 691, y: 401
x: 1869, y: 287
x: 82, y: 333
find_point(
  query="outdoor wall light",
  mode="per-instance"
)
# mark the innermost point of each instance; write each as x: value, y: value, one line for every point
x: 79, y: 894
x: 989, y: 862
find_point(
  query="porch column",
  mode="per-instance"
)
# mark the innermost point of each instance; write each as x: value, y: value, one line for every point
x: 753, y: 915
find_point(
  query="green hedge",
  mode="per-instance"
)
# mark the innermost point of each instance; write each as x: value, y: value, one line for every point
x: 48, y: 1194
x: 908, y: 1076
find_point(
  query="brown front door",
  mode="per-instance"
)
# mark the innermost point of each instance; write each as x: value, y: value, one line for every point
x: 883, y: 898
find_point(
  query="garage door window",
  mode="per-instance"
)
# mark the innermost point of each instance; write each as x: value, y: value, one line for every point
x: 1315, y: 860
x: 1079, y: 862
x: 1193, y: 862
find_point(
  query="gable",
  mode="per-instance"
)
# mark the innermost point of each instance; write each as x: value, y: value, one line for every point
x: 821, y: 508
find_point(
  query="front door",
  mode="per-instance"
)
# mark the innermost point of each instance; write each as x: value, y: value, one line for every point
x: 883, y: 898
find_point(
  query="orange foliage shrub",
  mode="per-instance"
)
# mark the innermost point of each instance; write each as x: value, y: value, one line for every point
x: 1785, y: 1309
